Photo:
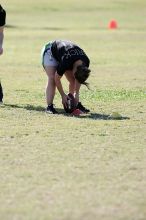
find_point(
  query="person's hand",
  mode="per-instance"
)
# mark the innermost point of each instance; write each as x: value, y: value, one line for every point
x: 64, y: 100
x: 1, y: 51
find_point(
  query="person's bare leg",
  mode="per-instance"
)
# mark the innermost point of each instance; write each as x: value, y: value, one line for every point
x: 50, y: 87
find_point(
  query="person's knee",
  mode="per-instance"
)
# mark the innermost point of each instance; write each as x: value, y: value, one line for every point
x: 51, y: 81
x: 51, y: 78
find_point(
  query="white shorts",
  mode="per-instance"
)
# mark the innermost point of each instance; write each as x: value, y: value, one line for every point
x: 47, y: 57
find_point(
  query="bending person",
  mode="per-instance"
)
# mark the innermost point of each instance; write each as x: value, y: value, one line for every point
x: 62, y: 57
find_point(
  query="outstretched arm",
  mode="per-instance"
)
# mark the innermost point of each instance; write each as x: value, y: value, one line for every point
x: 60, y: 88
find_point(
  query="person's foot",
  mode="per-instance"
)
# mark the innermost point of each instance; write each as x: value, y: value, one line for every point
x: 82, y: 108
x: 51, y: 110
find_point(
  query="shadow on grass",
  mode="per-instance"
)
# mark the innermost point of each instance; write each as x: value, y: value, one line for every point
x: 27, y: 107
x: 93, y: 116
x: 53, y: 28
x: 97, y: 116
x: 10, y: 26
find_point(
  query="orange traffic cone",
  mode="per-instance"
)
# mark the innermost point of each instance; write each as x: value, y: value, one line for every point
x: 113, y: 24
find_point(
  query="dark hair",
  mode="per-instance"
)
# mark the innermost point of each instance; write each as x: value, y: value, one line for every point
x: 81, y: 74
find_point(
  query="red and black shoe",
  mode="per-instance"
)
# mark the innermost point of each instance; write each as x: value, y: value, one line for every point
x: 82, y: 108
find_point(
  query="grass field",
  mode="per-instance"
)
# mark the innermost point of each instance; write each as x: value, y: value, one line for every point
x: 67, y: 168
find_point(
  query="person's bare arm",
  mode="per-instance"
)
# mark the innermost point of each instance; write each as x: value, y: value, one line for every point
x: 60, y: 88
